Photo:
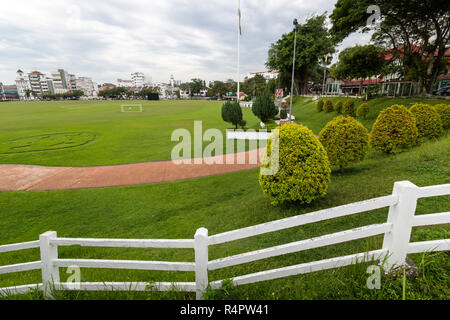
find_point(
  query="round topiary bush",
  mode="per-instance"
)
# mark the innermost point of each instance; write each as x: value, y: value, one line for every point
x: 328, y: 106
x: 393, y: 130
x: 444, y: 112
x: 349, y: 107
x: 346, y: 141
x: 362, y: 110
x: 304, y: 170
x: 428, y: 121
x: 338, y: 106
x: 319, y: 105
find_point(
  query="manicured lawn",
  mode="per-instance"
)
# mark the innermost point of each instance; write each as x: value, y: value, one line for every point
x: 89, y: 133
x: 226, y: 202
x: 219, y: 203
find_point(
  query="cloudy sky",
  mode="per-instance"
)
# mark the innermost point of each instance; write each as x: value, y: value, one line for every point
x: 109, y: 39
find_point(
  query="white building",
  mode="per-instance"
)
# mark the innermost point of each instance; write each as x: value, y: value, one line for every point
x: 124, y: 83
x: 72, y: 85
x: 138, y: 79
x: 268, y: 75
x: 23, y: 84
x: 38, y: 83
x: 61, y: 80
x: 89, y: 88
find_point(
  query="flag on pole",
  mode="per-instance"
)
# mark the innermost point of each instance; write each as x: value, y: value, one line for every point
x: 239, y: 12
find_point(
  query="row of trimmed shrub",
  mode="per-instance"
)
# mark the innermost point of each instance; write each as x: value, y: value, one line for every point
x: 305, y: 160
x: 397, y: 128
x: 346, y: 108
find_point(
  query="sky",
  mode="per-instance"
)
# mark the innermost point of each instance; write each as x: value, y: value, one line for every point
x: 110, y: 39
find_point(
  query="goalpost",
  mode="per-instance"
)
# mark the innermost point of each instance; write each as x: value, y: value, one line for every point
x: 131, y: 108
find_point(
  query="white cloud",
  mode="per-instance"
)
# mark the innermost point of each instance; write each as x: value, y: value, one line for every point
x: 109, y: 39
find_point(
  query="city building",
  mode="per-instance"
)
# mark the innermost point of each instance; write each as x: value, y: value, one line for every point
x: 268, y: 75
x: 23, y: 85
x: 38, y: 83
x: 173, y: 82
x: 89, y: 88
x: 107, y: 86
x: 138, y: 79
x: 124, y: 83
x: 9, y: 92
x: 61, y: 81
x: 72, y: 82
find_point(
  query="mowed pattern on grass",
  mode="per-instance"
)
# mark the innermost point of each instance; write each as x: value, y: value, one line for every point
x: 121, y: 137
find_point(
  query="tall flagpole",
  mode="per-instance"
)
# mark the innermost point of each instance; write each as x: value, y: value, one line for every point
x: 239, y: 48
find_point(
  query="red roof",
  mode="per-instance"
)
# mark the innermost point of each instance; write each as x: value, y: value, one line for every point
x: 389, y: 53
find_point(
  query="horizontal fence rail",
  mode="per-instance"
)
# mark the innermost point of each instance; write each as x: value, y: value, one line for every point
x: 307, y: 218
x: 396, y: 245
x: 126, y: 264
x: 292, y: 247
x: 19, y: 246
x: 125, y: 243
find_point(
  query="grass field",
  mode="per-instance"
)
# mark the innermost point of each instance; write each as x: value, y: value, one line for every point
x: 90, y: 133
x: 226, y: 202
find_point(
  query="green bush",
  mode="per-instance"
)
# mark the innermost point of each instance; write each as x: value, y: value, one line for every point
x: 304, y: 170
x: 338, y: 106
x: 264, y: 107
x: 393, y: 130
x: 232, y: 112
x: 346, y: 141
x: 328, y: 106
x: 283, y: 114
x: 428, y: 121
x: 362, y: 110
x: 319, y: 105
x: 444, y: 112
x: 349, y: 107
x: 243, y: 123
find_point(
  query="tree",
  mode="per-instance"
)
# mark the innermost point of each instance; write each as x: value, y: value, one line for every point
x: 359, y: 62
x: 232, y: 112
x: 414, y: 31
x: 219, y: 89
x: 196, y: 86
x: 313, y: 43
x: 264, y: 107
x: 254, y: 85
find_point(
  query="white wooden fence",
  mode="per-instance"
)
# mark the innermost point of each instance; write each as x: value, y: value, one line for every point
x: 396, y: 245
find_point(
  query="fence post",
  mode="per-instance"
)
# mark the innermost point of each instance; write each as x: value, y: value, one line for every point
x: 201, y: 262
x: 49, y: 252
x: 401, y: 216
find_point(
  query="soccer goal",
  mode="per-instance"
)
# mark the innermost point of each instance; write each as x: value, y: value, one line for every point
x: 131, y: 107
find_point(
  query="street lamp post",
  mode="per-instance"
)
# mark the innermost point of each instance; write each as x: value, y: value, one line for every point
x: 293, y: 70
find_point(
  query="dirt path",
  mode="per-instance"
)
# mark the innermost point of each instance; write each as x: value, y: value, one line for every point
x: 32, y: 178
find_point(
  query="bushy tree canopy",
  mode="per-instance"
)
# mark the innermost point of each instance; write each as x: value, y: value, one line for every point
x: 264, y: 107
x: 313, y: 43
x: 232, y: 112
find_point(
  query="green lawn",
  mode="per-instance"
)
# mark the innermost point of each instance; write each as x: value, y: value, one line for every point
x: 222, y: 203
x: 226, y: 202
x: 89, y: 133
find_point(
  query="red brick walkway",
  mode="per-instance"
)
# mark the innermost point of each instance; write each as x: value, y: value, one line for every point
x: 28, y: 177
